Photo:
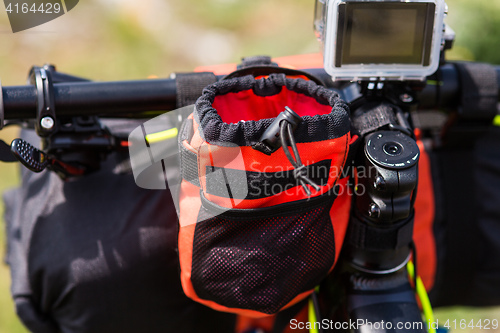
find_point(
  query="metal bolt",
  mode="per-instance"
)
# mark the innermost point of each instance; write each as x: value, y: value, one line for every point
x: 374, y: 211
x: 379, y: 183
x: 406, y: 98
x: 47, y: 123
x: 392, y: 148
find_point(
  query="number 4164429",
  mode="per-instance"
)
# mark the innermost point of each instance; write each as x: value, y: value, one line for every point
x: 485, y: 324
x: 42, y: 8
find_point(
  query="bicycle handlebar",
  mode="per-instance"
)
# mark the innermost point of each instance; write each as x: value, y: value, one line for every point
x: 94, y: 98
x: 114, y: 99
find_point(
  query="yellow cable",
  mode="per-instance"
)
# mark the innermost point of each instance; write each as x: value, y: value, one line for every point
x: 496, y: 121
x: 312, y: 313
x: 161, y: 136
x: 434, y: 83
x: 424, y: 298
x: 312, y: 317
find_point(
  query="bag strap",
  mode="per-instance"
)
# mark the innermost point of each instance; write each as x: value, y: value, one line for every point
x: 259, y: 60
x: 263, y: 66
x: 374, y: 119
x: 479, y: 90
x: 190, y: 86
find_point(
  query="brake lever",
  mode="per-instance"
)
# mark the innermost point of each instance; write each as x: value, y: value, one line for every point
x: 31, y: 157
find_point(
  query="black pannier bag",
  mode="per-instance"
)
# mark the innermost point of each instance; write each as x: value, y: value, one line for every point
x: 98, y: 255
x: 466, y: 177
x: 467, y: 222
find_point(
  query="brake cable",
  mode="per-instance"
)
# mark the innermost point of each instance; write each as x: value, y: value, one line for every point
x: 424, y: 298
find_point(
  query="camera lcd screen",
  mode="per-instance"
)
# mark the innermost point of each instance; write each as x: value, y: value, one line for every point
x: 384, y: 33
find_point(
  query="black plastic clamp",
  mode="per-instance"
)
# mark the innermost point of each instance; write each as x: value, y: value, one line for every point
x: 45, y: 114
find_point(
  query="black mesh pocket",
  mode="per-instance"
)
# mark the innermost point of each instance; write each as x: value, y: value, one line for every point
x: 260, y: 259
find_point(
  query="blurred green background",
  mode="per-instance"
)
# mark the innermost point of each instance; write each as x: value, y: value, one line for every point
x: 132, y: 39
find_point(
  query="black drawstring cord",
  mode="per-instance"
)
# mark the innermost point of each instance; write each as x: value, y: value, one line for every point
x: 300, y: 172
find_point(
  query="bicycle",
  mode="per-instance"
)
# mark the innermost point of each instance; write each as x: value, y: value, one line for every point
x: 127, y: 99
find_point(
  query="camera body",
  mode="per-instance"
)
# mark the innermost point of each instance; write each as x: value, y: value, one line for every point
x: 380, y: 39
